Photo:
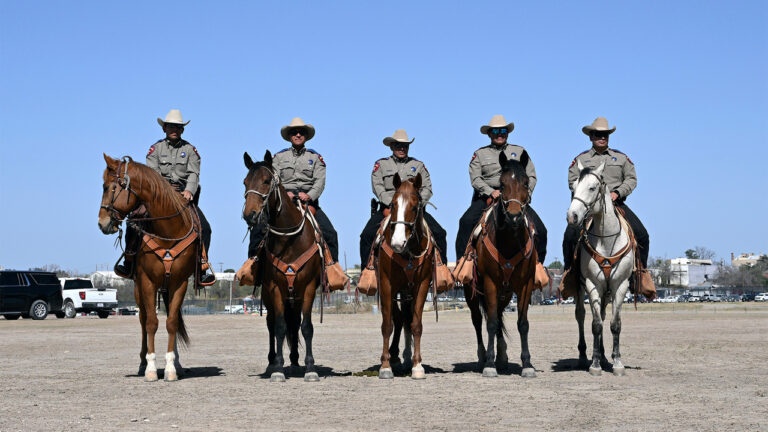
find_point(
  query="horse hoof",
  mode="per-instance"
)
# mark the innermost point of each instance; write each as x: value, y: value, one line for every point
x: 386, y: 374
x: 595, y: 371
x: 418, y: 372
x: 142, y: 370
x: 277, y: 377
x: 619, y: 371
x: 490, y: 372
x: 311, y: 377
x: 150, y: 376
x: 528, y: 373
x: 170, y: 376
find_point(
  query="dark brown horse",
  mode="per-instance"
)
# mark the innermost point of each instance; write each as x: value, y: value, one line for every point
x: 506, y: 264
x: 291, y: 265
x: 405, y: 267
x: 169, y: 229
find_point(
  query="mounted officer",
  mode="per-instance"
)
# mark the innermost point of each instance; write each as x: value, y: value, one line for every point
x: 302, y: 173
x: 485, y: 173
x: 177, y: 161
x: 620, y: 177
x: 384, y: 171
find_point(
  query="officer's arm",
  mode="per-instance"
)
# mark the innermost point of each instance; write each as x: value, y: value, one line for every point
x: 377, y: 185
x: 153, y: 160
x: 426, y: 184
x: 573, y: 174
x: 630, y: 179
x: 476, y: 176
x: 531, y: 171
x: 318, y: 180
x: 193, y: 172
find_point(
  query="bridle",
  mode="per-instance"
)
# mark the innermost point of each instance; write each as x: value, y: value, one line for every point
x: 599, y: 198
x: 125, y: 185
x: 412, y: 225
x: 263, y: 215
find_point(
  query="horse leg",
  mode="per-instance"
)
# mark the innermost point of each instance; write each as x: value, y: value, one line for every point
x: 417, y: 371
x: 271, y: 330
x: 492, y: 327
x: 308, y: 330
x: 477, y: 322
x: 394, y: 346
x: 523, y: 301
x: 618, y: 300
x: 597, y: 328
x: 502, y: 360
x: 143, y: 322
x: 604, y: 363
x: 293, y: 321
x: 580, y: 314
x: 278, y: 374
x: 405, y: 322
x: 173, y: 324
x: 385, y: 371
x: 148, y: 305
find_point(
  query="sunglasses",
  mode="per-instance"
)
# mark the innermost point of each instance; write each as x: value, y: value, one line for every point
x: 600, y: 134
x: 294, y: 132
x: 400, y: 146
x: 499, y: 131
x: 174, y: 126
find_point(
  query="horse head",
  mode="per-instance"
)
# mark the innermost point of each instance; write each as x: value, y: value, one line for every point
x: 260, y: 183
x: 117, y: 199
x: 515, y: 195
x: 588, y: 194
x: 406, y: 212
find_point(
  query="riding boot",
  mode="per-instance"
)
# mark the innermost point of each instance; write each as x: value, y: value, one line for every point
x: 125, y: 270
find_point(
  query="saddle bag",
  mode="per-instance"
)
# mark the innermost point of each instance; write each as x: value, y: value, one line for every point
x: 443, y: 278
x: 465, y: 268
x: 245, y: 274
x: 368, y: 284
x: 569, y: 284
x: 336, y: 277
x: 645, y: 284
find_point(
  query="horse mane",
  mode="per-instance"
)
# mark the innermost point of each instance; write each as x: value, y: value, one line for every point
x: 159, y: 187
x: 585, y: 172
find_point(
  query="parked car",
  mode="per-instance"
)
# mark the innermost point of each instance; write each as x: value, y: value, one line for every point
x: 694, y: 299
x: 762, y: 297
x: 79, y: 295
x: 29, y: 294
x: 683, y: 298
x: 748, y: 297
x: 731, y: 298
x: 671, y: 299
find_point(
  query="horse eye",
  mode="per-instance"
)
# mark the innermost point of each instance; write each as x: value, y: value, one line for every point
x: 592, y: 189
x: 105, y: 188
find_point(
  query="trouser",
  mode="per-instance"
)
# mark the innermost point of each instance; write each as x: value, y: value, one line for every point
x: 329, y: 234
x: 475, y: 212
x: 571, y: 238
x: 132, y: 235
x: 369, y: 232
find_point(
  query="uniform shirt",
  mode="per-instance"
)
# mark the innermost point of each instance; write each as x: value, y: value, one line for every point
x: 384, y: 170
x: 485, y: 169
x: 301, y: 170
x: 179, y: 163
x: 619, y: 172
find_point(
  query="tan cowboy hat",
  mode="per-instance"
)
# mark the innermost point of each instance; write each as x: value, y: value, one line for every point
x: 173, y: 116
x: 600, y: 124
x: 400, y: 136
x: 497, y: 121
x: 297, y: 123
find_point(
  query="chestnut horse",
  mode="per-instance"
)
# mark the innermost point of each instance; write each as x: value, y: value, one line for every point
x: 292, y: 265
x: 506, y: 264
x: 128, y: 184
x: 405, y: 267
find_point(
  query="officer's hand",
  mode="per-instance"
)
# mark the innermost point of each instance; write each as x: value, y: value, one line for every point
x: 290, y: 195
x: 614, y: 196
x: 187, y: 194
x: 304, y: 197
x: 495, y: 194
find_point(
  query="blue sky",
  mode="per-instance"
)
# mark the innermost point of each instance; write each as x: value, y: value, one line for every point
x: 686, y: 84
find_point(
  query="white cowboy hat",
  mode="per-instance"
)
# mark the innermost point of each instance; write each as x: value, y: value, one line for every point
x: 497, y: 121
x: 173, y: 116
x: 297, y: 123
x: 400, y: 136
x: 600, y: 124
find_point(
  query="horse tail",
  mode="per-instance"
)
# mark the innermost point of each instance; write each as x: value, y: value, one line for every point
x: 181, y: 332
x: 502, y: 324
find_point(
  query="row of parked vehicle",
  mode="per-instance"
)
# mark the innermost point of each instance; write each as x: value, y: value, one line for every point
x: 35, y: 294
x: 712, y: 298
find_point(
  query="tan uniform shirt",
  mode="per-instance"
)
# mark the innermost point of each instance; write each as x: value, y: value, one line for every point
x: 485, y: 169
x: 384, y: 170
x: 619, y: 172
x: 301, y: 170
x: 179, y: 163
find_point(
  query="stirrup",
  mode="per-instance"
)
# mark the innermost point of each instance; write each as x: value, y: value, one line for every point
x: 124, y: 270
x: 207, y: 279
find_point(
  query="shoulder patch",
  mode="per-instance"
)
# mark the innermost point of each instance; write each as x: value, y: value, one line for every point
x: 474, y: 155
x: 151, y: 149
x: 195, y: 150
x: 319, y: 156
x: 376, y: 166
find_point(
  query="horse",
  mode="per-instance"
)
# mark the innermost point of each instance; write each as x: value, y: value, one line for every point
x: 606, y: 263
x: 292, y: 268
x: 406, y: 268
x: 506, y: 265
x: 170, y: 241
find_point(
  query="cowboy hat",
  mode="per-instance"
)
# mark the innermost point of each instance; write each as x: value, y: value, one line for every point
x: 297, y: 123
x: 173, y: 116
x: 400, y: 136
x: 600, y: 124
x: 497, y: 121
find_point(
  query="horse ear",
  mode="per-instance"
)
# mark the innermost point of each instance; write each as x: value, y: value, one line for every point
x: 579, y: 165
x: 417, y: 181
x: 524, y: 159
x: 268, y: 158
x: 599, y: 170
x: 503, y: 160
x: 247, y: 159
x: 396, y: 181
x: 111, y: 163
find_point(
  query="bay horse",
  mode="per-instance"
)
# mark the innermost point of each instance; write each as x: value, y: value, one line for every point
x: 169, y: 233
x: 506, y: 265
x: 292, y: 265
x: 606, y: 263
x: 405, y: 268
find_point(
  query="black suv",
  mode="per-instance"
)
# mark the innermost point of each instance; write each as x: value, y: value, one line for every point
x: 29, y: 294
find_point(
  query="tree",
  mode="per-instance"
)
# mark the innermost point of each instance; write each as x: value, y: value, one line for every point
x: 704, y: 253
x: 691, y: 254
x: 661, y: 269
x: 556, y: 264
x: 229, y: 270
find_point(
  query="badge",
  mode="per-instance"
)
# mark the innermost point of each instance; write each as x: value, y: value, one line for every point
x: 413, y: 169
x: 151, y: 150
x: 614, y: 158
x: 514, y: 155
x: 183, y: 154
x: 311, y: 162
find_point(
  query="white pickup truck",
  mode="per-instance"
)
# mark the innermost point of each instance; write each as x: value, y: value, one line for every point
x: 80, y: 296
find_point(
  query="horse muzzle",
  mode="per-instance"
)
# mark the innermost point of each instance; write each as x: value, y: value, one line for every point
x: 252, y: 219
x: 107, y: 225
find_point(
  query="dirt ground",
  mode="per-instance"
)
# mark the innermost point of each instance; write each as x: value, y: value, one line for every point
x: 689, y: 367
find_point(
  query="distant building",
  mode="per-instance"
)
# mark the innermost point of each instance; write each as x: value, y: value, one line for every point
x: 745, y: 259
x: 692, y: 273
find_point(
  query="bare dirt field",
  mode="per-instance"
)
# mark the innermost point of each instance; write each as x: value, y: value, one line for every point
x: 689, y: 367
